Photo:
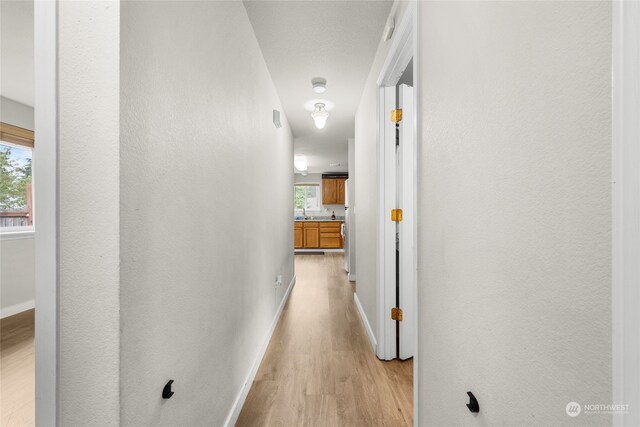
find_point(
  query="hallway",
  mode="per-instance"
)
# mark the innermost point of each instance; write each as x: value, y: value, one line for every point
x: 319, y: 368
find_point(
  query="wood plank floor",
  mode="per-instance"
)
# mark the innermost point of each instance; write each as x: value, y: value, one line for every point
x: 319, y: 368
x: 17, y: 370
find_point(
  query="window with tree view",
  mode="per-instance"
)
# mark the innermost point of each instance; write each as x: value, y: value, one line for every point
x: 307, y: 196
x: 16, y: 207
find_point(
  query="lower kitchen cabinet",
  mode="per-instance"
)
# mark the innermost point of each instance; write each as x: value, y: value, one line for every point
x: 314, y: 234
x: 298, y: 241
x: 330, y: 242
x: 330, y: 236
x: 311, y: 237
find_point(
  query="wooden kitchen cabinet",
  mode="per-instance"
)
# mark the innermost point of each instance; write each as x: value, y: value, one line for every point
x: 329, y: 191
x: 340, y: 198
x: 333, y: 191
x: 330, y: 235
x: 311, y: 235
x: 318, y: 234
x: 298, y: 234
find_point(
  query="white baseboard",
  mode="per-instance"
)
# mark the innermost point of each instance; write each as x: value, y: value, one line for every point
x: 244, y: 391
x: 352, y: 277
x: 367, y: 326
x: 17, y: 308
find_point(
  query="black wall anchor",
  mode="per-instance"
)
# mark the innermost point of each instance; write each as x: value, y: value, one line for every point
x: 473, y: 403
x: 166, y: 391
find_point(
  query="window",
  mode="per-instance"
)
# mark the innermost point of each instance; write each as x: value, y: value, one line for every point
x: 16, y: 195
x: 307, y: 196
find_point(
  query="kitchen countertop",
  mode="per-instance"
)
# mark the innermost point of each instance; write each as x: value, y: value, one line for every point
x: 319, y: 219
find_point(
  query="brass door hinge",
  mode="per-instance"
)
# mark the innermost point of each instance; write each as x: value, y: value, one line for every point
x: 396, y: 215
x: 396, y: 115
x: 396, y: 314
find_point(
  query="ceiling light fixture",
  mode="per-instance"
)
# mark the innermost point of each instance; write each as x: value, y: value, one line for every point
x: 300, y: 163
x: 320, y: 115
x: 319, y: 85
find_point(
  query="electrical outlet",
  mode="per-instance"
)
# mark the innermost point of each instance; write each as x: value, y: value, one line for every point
x: 279, y: 280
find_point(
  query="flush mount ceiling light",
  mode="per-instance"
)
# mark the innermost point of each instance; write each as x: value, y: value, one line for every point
x: 320, y: 115
x: 319, y: 85
x: 300, y: 163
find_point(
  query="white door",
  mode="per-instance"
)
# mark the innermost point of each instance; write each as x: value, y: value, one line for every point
x: 398, y: 257
x: 406, y: 196
x: 388, y: 329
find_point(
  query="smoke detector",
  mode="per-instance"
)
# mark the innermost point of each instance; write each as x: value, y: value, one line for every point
x: 319, y: 85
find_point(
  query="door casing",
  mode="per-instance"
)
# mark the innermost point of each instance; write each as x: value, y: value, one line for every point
x: 45, y: 161
x: 625, y: 179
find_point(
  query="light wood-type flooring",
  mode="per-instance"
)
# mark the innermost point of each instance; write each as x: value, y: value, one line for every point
x: 17, y: 370
x: 319, y: 368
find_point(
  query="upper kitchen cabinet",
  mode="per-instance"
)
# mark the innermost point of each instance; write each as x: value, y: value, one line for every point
x: 333, y: 191
x: 340, y: 183
x: 329, y: 191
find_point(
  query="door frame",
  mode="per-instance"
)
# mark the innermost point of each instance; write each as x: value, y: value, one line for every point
x: 45, y: 203
x: 625, y: 297
x: 404, y: 47
x: 386, y: 278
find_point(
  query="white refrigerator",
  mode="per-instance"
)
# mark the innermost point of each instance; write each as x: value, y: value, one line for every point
x: 345, y: 229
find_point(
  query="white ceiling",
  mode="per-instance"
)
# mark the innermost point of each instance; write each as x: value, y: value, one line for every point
x: 16, y: 51
x: 336, y: 40
x: 300, y: 40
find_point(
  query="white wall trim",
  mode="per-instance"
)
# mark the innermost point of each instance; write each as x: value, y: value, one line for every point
x: 625, y: 296
x: 17, y: 235
x: 352, y: 277
x: 403, y: 48
x: 45, y: 203
x: 244, y: 391
x: 380, y: 278
x: 17, y: 308
x: 365, y: 322
x: 386, y: 349
x: 417, y: 122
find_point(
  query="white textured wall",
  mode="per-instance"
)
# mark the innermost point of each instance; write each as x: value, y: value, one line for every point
x: 199, y: 153
x: 366, y: 188
x: 88, y: 200
x: 515, y: 211
x: 15, y: 113
x: 17, y: 273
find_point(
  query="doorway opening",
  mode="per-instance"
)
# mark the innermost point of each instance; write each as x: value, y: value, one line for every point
x: 20, y: 182
x: 397, y: 319
x: 397, y: 313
